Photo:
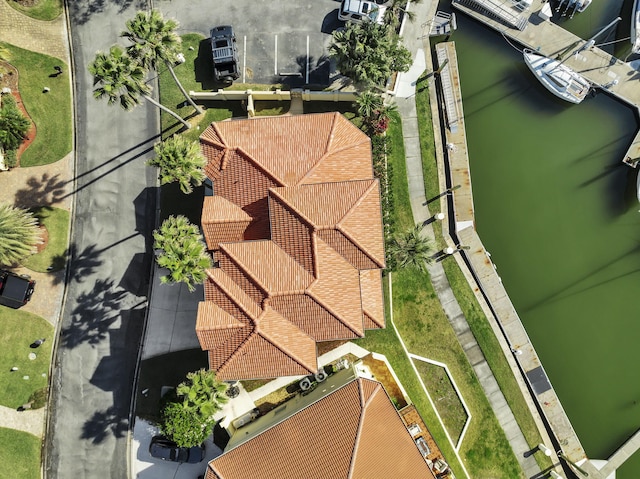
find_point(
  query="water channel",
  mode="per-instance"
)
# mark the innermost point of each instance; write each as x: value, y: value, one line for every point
x: 558, y: 211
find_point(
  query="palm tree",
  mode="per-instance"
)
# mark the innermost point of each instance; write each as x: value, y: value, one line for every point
x: 121, y: 80
x: 182, y: 252
x: 179, y: 160
x: 412, y: 249
x: 13, y: 124
x: 155, y: 39
x: 368, y: 53
x: 19, y: 234
x: 397, y: 8
x: 368, y: 102
x: 203, y: 393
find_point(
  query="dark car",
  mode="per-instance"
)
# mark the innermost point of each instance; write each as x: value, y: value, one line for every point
x: 167, y: 450
x: 15, y: 289
x: 225, y: 54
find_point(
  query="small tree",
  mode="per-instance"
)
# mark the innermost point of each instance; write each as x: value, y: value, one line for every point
x: 184, y: 426
x: 13, y: 124
x: 189, y: 420
x: 122, y: 80
x: 155, y: 39
x: 369, y: 53
x: 179, y: 160
x: 411, y: 249
x: 183, y: 252
x: 19, y: 234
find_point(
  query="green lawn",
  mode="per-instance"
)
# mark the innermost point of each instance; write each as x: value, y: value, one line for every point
x: 18, y: 329
x: 51, y: 112
x: 19, y: 455
x: 56, y: 221
x: 466, y: 298
x: 42, y: 10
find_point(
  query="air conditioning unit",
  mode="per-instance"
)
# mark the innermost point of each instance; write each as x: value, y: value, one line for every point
x: 245, y: 419
x: 305, y: 384
x: 321, y: 375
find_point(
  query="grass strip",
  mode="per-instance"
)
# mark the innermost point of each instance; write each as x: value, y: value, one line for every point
x: 56, y: 221
x: 19, y: 454
x: 51, y: 111
x: 474, y: 315
x: 18, y: 330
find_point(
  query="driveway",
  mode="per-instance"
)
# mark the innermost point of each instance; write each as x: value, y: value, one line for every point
x: 278, y: 42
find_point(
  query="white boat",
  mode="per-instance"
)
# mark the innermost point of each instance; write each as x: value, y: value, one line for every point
x: 635, y: 27
x: 559, y: 79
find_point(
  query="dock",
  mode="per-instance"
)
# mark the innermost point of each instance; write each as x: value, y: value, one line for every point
x: 603, y: 70
x: 479, y: 270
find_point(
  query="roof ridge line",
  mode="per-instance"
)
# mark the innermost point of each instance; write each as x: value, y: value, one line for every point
x: 356, y: 442
x: 298, y: 213
x: 244, y: 267
x: 334, y: 314
x: 237, y: 350
x: 230, y: 295
x: 268, y: 338
x: 258, y: 165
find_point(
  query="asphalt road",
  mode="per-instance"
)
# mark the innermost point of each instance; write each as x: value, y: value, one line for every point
x: 104, y: 311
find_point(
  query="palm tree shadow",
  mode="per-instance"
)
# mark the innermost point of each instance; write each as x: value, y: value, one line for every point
x: 41, y: 191
x: 104, y: 424
x: 94, y: 315
x: 81, y: 12
x: 83, y: 263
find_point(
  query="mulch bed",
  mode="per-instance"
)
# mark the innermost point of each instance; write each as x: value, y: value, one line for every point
x: 10, y: 80
x: 27, y: 3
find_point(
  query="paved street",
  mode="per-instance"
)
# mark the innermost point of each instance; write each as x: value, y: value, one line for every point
x: 103, y: 316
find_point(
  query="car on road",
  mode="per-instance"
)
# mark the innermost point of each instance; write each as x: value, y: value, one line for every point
x: 361, y: 10
x: 225, y: 54
x: 167, y: 450
x: 15, y: 289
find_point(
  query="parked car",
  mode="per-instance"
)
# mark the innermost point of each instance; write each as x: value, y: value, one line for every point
x: 225, y: 54
x: 15, y: 289
x: 167, y: 450
x: 361, y: 10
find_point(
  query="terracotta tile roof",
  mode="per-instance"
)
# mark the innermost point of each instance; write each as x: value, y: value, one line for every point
x: 315, y: 239
x: 268, y: 266
x: 372, y: 301
x: 353, y: 432
x: 347, y: 215
x: 222, y: 221
x: 245, y: 341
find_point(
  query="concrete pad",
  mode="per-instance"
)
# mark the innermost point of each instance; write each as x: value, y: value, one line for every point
x: 407, y: 80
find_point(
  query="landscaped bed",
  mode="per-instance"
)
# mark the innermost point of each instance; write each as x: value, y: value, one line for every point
x: 38, y: 9
x: 51, y: 256
x: 50, y: 111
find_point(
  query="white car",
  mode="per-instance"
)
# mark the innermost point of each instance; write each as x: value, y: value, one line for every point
x: 361, y: 10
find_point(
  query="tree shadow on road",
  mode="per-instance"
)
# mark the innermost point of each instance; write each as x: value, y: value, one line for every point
x: 81, y: 12
x: 94, y: 315
x: 104, y: 424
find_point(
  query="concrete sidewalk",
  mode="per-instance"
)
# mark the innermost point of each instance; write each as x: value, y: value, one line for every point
x: 415, y: 39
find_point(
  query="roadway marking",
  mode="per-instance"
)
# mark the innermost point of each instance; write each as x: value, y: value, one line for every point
x: 308, y: 59
x: 275, y: 61
x: 244, y: 60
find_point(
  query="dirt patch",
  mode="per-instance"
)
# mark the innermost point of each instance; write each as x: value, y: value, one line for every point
x: 44, y: 237
x: 10, y: 80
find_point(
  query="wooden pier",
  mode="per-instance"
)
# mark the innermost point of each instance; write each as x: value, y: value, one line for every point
x: 600, y: 68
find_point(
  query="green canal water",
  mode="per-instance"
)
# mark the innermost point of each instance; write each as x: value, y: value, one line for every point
x: 558, y: 211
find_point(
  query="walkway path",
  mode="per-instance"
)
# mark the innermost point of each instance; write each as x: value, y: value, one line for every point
x: 31, y: 420
x: 48, y: 38
x: 414, y: 41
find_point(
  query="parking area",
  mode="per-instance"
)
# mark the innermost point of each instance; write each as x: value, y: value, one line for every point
x: 278, y: 42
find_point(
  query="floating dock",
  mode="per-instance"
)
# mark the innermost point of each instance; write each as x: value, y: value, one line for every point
x: 605, y: 71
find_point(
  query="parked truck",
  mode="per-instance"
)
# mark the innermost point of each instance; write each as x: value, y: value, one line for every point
x: 225, y: 54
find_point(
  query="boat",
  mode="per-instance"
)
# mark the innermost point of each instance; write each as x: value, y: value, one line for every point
x: 582, y: 5
x: 635, y: 27
x: 559, y: 79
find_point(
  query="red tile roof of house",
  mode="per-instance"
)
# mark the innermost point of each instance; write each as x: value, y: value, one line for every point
x: 353, y: 432
x: 304, y: 186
